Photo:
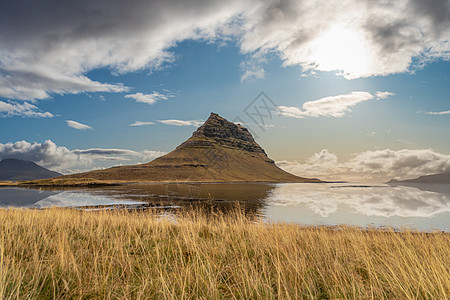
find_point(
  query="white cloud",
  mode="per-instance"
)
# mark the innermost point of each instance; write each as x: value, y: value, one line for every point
x: 150, y: 98
x: 140, y: 123
x: 333, y: 106
x: 151, y: 154
x: 28, y: 82
x: 67, y: 41
x: 353, y: 37
x: 61, y: 159
x: 182, y: 122
x: 377, y: 165
x: 78, y: 126
x: 447, y: 112
x: 383, y: 95
x: 106, y: 154
x: 25, y: 109
x: 251, y: 69
x: 46, y: 154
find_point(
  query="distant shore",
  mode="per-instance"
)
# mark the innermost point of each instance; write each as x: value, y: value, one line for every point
x: 90, y: 182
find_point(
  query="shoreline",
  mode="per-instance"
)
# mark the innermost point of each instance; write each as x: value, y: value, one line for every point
x: 88, y: 182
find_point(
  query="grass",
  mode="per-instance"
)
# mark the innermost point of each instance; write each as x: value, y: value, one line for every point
x: 62, y: 181
x: 70, y: 254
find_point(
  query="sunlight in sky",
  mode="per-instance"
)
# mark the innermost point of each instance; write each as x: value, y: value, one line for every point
x: 343, y: 49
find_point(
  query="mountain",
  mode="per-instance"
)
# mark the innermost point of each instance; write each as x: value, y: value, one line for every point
x: 16, y: 169
x: 218, y: 151
x: 441, y: 178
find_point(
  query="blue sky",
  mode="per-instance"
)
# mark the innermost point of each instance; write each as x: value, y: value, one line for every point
x: 353, y: 96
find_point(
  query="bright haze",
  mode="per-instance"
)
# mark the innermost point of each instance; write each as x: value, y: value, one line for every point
x: 353, y: 90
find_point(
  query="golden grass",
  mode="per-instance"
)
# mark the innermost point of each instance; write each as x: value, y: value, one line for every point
x: 63, y: 253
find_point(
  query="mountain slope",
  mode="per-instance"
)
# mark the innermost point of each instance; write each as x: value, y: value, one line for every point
x: 16, y: 169
x: 429, y: 179
x: 219, y: 151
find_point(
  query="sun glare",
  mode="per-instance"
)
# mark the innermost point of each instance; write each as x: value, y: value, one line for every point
x: 343, y: 49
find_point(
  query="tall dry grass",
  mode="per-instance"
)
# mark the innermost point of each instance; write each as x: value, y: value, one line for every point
x: 63, y: 253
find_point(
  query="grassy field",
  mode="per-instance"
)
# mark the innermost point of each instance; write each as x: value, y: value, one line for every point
x: 67, y: 254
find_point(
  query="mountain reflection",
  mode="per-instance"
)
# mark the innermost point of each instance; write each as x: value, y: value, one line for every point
x: 218, y: 197
x: 18, y: 197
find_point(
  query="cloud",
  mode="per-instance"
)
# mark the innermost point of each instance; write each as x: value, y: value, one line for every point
x: 149, y: 98
x: 8, y: 109
x: 106, y: 153
x: 140, y: 123
x: 61, y: 159
x: 333, y: 106
x: 251, y: 69
x: 78, y: 126
x: 372, y: 165
x: 195, y: 123
x: 28, y: 82
x: 46, y: 154
x: 355, y: 38
x: 447, y: 112
x: 151, y: 154
x: 46, y: 51
x: 49, y: 48
x: 383, y: 95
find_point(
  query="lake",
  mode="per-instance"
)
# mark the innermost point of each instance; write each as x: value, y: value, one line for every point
x: 420, y: 207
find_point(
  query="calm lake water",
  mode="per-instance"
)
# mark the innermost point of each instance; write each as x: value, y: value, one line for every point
x: 423, y: 207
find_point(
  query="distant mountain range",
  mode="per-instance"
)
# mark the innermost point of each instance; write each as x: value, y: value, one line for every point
x: 219, y: 151
x: 441, y: 178
x: 16, y: 169
x: 438, y: 183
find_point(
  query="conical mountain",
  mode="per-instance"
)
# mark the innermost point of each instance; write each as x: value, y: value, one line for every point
x: 218, y: 151
x: 17, y: 169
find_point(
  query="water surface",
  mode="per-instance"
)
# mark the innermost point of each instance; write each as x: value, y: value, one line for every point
x: 422, y: 207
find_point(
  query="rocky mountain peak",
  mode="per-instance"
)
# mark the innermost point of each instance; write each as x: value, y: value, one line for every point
x: 226, y: 133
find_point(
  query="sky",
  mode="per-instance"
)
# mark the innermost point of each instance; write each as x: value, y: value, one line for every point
x: 339, y: 90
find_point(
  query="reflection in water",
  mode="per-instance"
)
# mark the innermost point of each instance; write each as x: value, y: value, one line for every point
x: 217, y: 197
x: 379, y: 201
x: 431, y: 187
x: 377, y: 205
x: 17, y: 197
x: 76, y: 199
x: 300, y: 203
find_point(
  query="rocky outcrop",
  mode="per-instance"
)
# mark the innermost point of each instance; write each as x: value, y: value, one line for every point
x: 226, y: 134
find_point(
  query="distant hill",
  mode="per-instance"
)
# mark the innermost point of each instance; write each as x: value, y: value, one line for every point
x: 438, y: 183
x: 219, y: 151
x: 16, y: 169
x: 441, y: 178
